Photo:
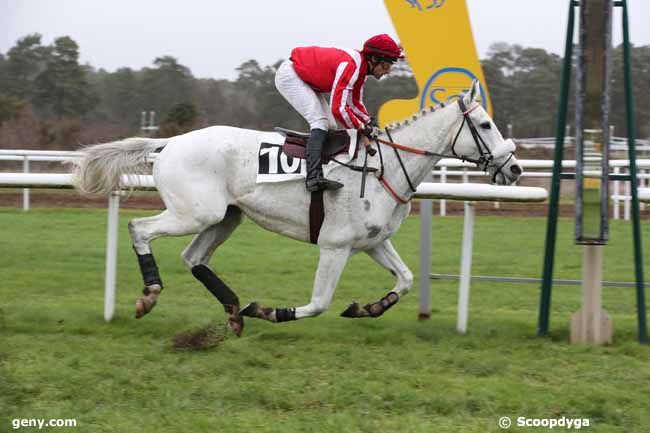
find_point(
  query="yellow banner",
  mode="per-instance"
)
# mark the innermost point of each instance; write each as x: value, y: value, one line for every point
x: 437, y: 39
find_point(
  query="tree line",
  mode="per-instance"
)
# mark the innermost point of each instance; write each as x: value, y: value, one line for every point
x: 49, y: 100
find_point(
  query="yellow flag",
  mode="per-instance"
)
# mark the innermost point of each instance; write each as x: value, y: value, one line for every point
x: 437, y: 39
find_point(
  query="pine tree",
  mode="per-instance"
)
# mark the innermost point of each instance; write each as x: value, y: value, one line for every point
x: 62, y: 88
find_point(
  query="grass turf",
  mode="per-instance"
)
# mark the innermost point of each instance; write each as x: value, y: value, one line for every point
x: 58, y: 359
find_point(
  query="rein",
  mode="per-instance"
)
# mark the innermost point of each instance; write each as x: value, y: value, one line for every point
x: 405, y: 148
x: 396, y: 146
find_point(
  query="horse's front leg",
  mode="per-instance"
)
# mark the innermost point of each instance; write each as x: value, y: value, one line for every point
x: 330, y: 266
x: 386, y: 256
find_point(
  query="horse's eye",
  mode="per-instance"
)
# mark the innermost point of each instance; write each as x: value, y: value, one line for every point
x: 486, y: 125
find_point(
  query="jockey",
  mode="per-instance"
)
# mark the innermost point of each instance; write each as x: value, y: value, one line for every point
x: 311, y: 72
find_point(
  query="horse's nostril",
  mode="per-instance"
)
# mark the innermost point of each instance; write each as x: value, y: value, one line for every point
x: 515, y: 169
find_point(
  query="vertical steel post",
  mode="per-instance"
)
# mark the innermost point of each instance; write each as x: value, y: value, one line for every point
x: 627, y: 203
x: 617, y: 193
x: 636, y: 222
x: 25, y: 190
x: 554, y: 200
x: 465, y: 267
x: 111, y: 255
x: 443, y: 202
x: 424, y: 289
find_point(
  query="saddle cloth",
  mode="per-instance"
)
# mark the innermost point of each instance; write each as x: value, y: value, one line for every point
x: 281, y: 155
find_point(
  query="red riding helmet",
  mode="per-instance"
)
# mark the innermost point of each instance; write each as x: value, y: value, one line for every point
x: 383, y: 46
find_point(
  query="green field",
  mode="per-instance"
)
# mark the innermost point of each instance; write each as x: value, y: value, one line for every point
x: 59, y: 359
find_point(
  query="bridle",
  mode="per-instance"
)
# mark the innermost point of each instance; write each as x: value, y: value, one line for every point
x: 484, y: 161
x: 486, y: 158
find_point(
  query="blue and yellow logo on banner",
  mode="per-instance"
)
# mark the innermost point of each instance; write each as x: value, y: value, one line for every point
x: 437, y: 39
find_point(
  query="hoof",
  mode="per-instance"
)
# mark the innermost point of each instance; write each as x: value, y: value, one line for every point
x: 354, y: 311
x: 250, y: 310
x: 143, y: 306
x: 236, y: 323
x: 235, y: 319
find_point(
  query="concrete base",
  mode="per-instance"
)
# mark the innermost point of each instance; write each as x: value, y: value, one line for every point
x: 592, y: 328
x: 591, y: 324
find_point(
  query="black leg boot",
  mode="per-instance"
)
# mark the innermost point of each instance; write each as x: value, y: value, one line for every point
x: 315, y: 179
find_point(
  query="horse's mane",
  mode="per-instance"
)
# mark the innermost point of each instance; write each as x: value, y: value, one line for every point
x: 398, y: 125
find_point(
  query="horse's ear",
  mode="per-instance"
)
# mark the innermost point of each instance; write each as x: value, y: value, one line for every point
x: 475, y: 92
x: 466, y: 98
x: 470, y: 95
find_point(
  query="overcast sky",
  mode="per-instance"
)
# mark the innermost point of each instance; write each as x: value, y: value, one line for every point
x: 213, y: 37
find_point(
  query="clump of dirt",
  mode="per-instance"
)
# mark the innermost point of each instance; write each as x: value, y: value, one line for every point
x: 204, y: 338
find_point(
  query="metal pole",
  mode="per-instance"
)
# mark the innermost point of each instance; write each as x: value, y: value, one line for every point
x: 111, y: 255
x: 627, y: 202
x: 617, y: 193
x: 636, y: 221
x: 143, y: 122
x: 424, y: 289
x: 465, y: 268
x: 501, y: 279
x: 642, y: 184
x: 443, y: 202
x: 25, y: 190
x: 551, y: 226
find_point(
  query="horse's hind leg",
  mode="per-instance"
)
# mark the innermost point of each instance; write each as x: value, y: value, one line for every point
x: 197, y: 256
x: 143, y: 231
x: 386, y: 256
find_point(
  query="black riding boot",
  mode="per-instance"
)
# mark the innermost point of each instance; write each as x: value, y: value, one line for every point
x: 315, y: 179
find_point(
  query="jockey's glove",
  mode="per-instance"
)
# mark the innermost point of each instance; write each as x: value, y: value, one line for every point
x: 371, y: 132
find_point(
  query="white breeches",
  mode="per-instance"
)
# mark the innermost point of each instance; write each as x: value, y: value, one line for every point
x: 311, y: 105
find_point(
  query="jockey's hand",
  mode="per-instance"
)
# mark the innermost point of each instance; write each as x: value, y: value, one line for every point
x: 371, y: 132
x: 368, y: 145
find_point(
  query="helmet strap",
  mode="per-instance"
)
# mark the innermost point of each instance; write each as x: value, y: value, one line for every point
x: 373, y: 64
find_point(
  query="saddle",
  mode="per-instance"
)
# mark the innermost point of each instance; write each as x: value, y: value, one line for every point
x: 295, y: 144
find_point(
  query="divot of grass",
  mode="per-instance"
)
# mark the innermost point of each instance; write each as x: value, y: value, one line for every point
x: 203, y: 338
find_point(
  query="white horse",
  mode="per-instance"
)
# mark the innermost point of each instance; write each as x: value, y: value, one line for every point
x: 207, y: 180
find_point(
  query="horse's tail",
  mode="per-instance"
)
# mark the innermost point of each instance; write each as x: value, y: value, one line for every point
x: 100, y: 168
